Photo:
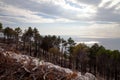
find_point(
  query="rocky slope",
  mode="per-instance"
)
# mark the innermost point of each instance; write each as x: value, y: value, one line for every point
x: 15, y: 66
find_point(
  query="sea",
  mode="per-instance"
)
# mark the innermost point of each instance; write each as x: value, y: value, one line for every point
x: 108, y: 43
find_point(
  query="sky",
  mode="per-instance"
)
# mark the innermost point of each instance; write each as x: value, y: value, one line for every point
x: 83, y: 18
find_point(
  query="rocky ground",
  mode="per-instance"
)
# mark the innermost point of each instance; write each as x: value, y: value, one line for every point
x: 15, y: 66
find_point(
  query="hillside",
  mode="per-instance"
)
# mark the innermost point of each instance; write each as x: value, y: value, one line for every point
x: 15, y: 66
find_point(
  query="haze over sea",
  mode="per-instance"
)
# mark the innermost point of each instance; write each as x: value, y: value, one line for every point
x: 108, y: 43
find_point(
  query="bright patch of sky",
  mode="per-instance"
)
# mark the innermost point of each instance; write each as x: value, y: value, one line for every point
x: 83, y: 18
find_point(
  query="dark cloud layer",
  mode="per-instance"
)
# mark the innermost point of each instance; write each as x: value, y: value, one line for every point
x: 91, y: 2
x: 17, y: 11
x: 108, y: 15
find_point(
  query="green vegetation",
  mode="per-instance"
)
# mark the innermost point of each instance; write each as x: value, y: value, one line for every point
x: 95, y: 59
x: 1, y: 26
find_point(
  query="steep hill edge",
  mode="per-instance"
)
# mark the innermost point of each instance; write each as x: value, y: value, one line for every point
x: 15, y: 66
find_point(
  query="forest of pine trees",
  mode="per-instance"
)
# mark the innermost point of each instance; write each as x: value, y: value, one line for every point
x: 80, y: 57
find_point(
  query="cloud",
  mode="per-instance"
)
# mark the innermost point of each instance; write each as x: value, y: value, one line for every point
x: 61, y: 8
x: 68, y: 10
x: 95, y: 18
x: 109, y: 3
x: 88, y: 42
x: 105, y: 10
x: 54, y: 9
x: 11, y: 12
x: 108, y: 10
x: 92, y: 2
x: 109, y: 15
x: 26, y: 16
